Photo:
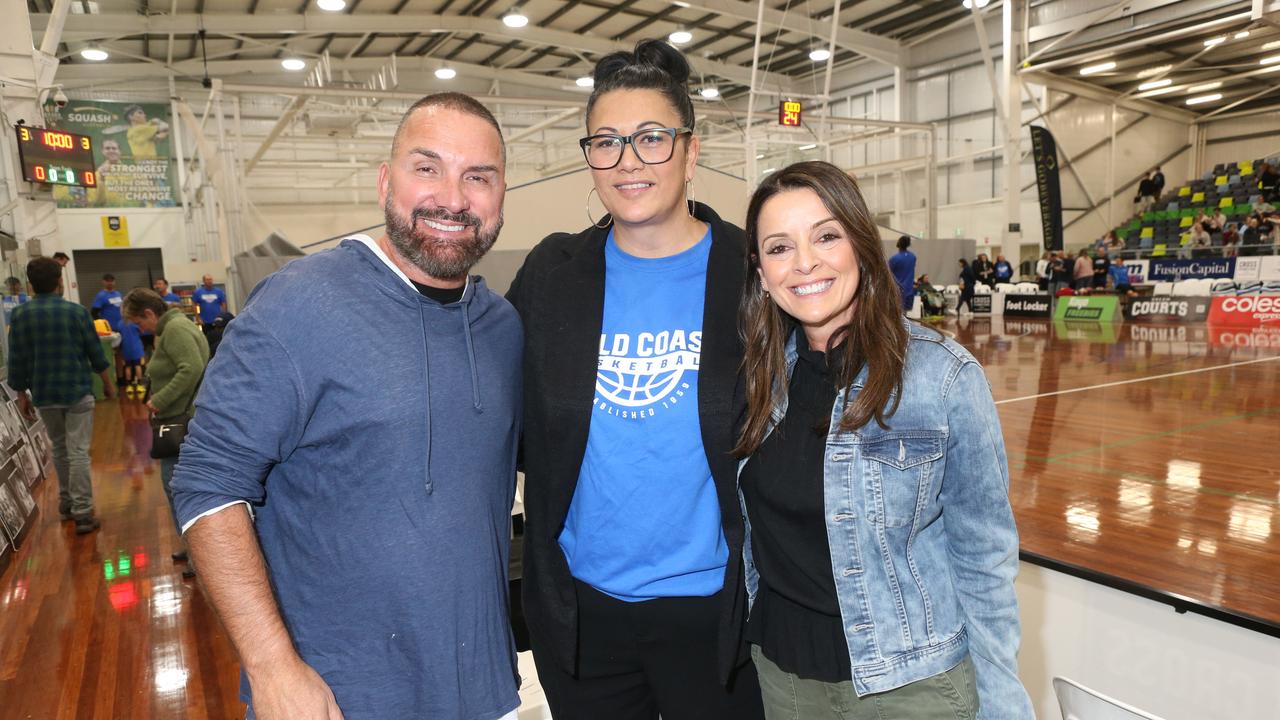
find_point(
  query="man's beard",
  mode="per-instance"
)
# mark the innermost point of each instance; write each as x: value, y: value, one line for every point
x: 441, y: 258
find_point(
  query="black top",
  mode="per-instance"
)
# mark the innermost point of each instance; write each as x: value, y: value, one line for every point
x: 444, y: 296
x: 796, y: 616
x: 1100, y: 266
x: 559, y: 293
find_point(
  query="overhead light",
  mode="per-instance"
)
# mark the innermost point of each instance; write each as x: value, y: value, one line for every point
x: 1100, y: 67
x: 94, y: 53
x: 1162, y: 91
x: 1154, y: 84
x: 769, y: 170
x: 293, y: 64
x: 446, y: 73
x: 1242, y: 35
x: 677, y: 3
x: 968, y: 4
x: 680, y: 37
x: 1271, y: 45
x: 1215, y: 41
x: 331, y: 5
x: 760, y: 156
x: 515, y: 19
x: 1204, y: 87
x: 1157, y: 70
x: 810, y: 146
x: 1269, y: 60
x: 1204, y: 99
x: 585, y: 81
x: 819, y: 55
x: 710, y: 92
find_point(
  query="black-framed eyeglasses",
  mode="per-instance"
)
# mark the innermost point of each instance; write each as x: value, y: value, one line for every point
x: 653, y: 146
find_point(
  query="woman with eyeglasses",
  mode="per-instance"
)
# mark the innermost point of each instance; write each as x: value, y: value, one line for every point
x: 633, y: 586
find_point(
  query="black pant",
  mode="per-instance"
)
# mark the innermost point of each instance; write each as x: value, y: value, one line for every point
x: 636, y: 660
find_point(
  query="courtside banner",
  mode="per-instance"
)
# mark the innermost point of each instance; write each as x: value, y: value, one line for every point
x: 1045, y: 152
x: 1027, y: 305
x: 1098, y: 308
x: 1246, y: 311
x: 1137, y: 271
x: 1260, y: 267
x: 1169, y: 270
x: 1265, y: 337
x: 981, y: 304
x: 1168, y: 309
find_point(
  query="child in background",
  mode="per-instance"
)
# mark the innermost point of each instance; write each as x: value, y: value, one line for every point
x: 132, y: 352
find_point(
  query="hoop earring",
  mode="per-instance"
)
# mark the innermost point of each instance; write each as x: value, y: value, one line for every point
x: 606, y: 219
x: 689, y: 197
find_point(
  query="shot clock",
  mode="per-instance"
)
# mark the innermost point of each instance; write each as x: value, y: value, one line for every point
x: 56, y: 157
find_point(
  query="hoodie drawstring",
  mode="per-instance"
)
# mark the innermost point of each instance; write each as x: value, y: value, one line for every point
x: 471, y: 358
x: 426, y: 377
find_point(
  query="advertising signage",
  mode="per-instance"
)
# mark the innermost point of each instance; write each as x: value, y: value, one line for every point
x: 1246, y: 311
x: 1168, y: 309
x: 980, y: 304
x: 1027, y: 305
x: 1100, y: 308
x: 1170, y: 270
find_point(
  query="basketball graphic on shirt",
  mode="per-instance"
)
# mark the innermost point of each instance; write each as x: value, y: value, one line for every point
x: 639, y: 374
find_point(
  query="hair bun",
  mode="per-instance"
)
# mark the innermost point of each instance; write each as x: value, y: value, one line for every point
x: 648, y: 53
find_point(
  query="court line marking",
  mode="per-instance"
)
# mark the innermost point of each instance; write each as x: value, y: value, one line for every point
x: 1138, y: 380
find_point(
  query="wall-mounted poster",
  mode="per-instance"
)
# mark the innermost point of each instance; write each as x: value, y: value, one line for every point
x: 131, y: 143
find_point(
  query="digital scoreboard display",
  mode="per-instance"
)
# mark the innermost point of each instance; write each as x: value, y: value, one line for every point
x: 789, y: 113
x: 56, y: 157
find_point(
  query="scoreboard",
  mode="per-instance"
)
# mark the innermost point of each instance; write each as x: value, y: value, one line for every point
x: 56, y: 157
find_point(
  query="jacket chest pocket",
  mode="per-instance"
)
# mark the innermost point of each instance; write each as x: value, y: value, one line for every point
x: 898, y: 469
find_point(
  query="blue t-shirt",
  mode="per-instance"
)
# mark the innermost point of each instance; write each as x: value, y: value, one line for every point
x: 1119, y: 273
x: 11, y: 302
x: 107, y: 303
x: 130, y: 342
x: 1004, y: 271
x: 903, y: 267
x: 645, y: 522
x: 171, y: 298
x: 209, y: 301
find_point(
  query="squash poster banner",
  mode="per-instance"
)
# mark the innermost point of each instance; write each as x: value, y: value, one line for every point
x: 131, y: 144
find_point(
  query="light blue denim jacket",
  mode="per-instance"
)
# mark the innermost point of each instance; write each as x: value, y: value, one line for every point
x: 923, y: 545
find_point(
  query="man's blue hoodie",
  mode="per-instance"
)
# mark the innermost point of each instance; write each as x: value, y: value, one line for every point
x: 373, y: 431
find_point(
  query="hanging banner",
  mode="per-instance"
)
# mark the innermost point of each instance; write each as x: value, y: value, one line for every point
x: 115, y: 231
x: 1045, y: 151
x: 132, y: 148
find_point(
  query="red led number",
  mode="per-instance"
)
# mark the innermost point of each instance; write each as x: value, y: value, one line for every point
x: 40, y: 173
x: 58, y: 140
x: 89, y: 179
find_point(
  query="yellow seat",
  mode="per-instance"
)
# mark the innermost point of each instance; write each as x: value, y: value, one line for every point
x: 1158, y: 250
x: 1185, y: 239
x: 1147, y: 232
x: 1186, y: 222
x: 1222, y: 180
x: 1197, y: 198
x: 1226, y: 202
x: 1184, y: 191
x: 1246, y: 168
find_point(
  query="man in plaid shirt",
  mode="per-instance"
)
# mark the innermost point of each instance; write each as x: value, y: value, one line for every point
x: 53, y: 351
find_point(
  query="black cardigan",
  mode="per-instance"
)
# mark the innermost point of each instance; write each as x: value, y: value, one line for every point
x: 559, y: 293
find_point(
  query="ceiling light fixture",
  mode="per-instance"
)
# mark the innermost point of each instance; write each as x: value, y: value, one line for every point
x: 1271, y: 45
x: 680, y: 37
x: 585, y: 81
x: 1215, y: 41
x: 331, y: 5
x: 94, y: 53
x: 1269, y: 60
x: 293, y: 64
x: 810, y: 146
x: 1154, y: 84
x: 769, y: 170
x: 760, y: 156
x: 1100, y: 67
x: 1204, y: 99
x: 515, y: 19
x: 1242, y: 35
x: 968, y: 4
x: 1161, y: 91
x: 819, y: 55
x: 710, y: 92
x: 1157, y: 70
x: 446, y: 73
x: 1204, y: 87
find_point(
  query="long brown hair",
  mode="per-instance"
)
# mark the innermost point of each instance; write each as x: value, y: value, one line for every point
x: 874, y: 337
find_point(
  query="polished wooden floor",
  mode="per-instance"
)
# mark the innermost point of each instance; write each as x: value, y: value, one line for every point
x: 1139, y: 453
x: 103, y: 625
x: 1144, y: 454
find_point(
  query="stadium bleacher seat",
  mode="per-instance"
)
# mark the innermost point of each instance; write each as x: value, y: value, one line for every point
x: 1162, y: 288
x: 1158, y: 250
x: 1220, y: 180
x: 1184, y: 191
x: 1197, y: 198
x: 1223, y: 287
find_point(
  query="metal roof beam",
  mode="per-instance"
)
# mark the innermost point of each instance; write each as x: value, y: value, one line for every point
x: 82, y: 28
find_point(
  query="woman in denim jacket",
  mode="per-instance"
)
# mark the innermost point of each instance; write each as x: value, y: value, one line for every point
x: 881, y: 548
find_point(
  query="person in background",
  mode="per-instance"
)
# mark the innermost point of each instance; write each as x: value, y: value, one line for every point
x: 132, y: 352
x: 1200, y: 237
x: 1120, y: 279
x: 1003, y: 270
x: 1114, y: 245
x: 175, y: 371
x: 1101, y: 269
x: 13, y: 297
x: 215, y: 330
x: 1042, y: 271
x: 209, y: 301
x: 62, y: 259
x: 1250, y: 236
x: 1059, y: 272
x: 53, y: 353
x: 633, y: 584
x: 1082, y: 274
x: 903, y: 267
x: 161, y: 286
x: 1145, y: 199
x: 967, y: 285
x: 1157, y: 183
x: 870, y: 443
x: 983, y: 271
x: 352, y: 529
x: 106, y: 304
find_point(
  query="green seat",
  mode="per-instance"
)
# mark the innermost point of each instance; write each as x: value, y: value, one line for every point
x: 1150, y: 216
x: 1187, y: 212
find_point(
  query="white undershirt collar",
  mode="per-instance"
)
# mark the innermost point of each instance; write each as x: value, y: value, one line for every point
x: 377, y: 250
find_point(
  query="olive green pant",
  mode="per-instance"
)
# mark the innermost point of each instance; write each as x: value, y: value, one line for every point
x: 951, y: 695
